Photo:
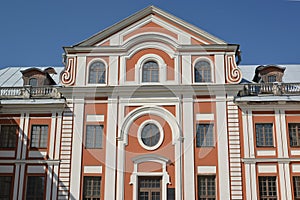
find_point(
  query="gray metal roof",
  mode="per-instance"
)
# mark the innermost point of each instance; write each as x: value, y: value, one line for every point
x: 291, y: 73
x: 12, y: 76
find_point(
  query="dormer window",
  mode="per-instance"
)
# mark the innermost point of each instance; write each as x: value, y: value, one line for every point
x: 268, y: 74
x: 36, y: 77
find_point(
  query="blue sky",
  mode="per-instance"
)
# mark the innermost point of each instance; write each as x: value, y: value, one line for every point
x: 33, y: 32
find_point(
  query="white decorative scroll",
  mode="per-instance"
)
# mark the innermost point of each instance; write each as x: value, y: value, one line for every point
x: 233, y: 74
x: 69, y: 74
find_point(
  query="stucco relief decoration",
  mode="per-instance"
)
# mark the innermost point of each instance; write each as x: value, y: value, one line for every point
x: 233, y: 74
x: 69, y: 74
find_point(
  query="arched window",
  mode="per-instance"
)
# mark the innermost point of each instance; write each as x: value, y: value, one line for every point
x: 202, y: 72
x: 97, y: 72
x: 150, y: 72
x: 33, y: 82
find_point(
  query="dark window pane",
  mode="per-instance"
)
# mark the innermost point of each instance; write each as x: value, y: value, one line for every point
x: 94, y: 134
x: 39, y: 136
x: 267, y: 187
x: 150, y: 135
x: 5, y: 187
x: 202, y: 72
x: 206, y: 187
x: 205, y: 135
x: 264, y: 135
x: 35, y: 188
x: 97, y: 72
x: 33, y: 82
x: 91, y: 187
x: 8, y: 136
x: 150, y: 72
x: 294, y: 133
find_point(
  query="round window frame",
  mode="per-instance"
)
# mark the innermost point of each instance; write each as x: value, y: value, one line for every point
x: 161, y: 138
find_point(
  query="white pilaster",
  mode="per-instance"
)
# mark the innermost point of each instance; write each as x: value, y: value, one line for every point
x: 283, y: 129
x: 110, y: 163
x: 186, y: 67
x: 253, y: 181
x: 113, y: 70
x: 21, y: 180
x: 25, y: 136
x: 81, y: 71
x: 16, y: 182
x: 219, y: 69
x: 288, y: 182
x: 49, y: 182
x: 223, y: 164
x: 278, y: 133
x: 251, y: 134
x: 52, y: 136
x: 77, y: 150
x: 21, y: 135
x: 188, y: 145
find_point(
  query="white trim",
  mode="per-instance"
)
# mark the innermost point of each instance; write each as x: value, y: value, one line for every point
x: 6, y: 168
x: 139, y: 134
x: 58, y: 135
x: 94, y: 118
x: 206, y: 116
x: 253, y: 182
x: 288, y: 186
x: 206, y: 169
x: 88, y: 72
x: 49, y: 182
x: 295, y: 152
x: 296, y: 168
x: 266, y: 152
x: 186, y: 69
x: 278, y: 133
x: 37, y: 154
x: 7, y: 154
x: 161, y: 67
x: 164, y: 174
x: 93, y: 169
x: 219, y: 70
x: 266, y: 168
x: 36, y: 169
x: 212, y: 70
x: 21, y: 181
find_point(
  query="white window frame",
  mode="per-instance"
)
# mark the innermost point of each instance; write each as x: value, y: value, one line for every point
x: 212, y: 68
x: 140, y: 134
x: 161, y: 67
x: 164, y: 174
x: 88, y: 72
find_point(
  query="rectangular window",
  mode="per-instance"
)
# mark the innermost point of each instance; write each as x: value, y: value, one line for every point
x: 5, y: 187
x: 39, y: 136
x: 91, y: 187
x: 206, y: 187
x: 296, y: 183
x: 264, y: 135
x: 294, y: 132
x: 205, y: 135
x: 35, y: 187
x: 8, y: 136
x: 150, y: 188
x: 267, y: 187
x: 93, y: 138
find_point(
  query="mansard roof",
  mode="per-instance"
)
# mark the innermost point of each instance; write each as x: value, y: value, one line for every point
x: 151, y: 10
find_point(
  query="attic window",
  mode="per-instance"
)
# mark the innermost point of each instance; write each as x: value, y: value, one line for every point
x: 33, y: 82
x: 272, y: 78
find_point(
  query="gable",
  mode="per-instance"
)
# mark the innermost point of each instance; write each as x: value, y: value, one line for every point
x: 151, y: 20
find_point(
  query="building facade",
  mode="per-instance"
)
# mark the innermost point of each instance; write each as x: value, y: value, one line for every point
x: 150, y: 108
